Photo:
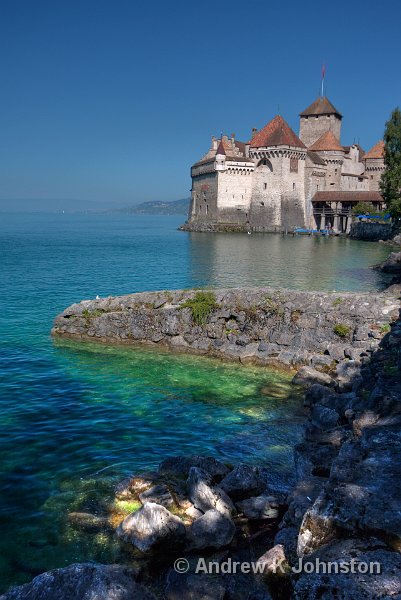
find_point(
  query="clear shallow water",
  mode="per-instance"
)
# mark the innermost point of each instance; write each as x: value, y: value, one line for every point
x: 71, y: 414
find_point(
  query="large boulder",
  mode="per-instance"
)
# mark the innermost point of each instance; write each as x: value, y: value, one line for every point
x: 212, y: 530
x: 180, y: 466
x: 317, y: 527
x: 152, y: 528
x: 245, y: 481
x: 259, y: 507
x: 159, y: 494
x: 382, y: 579
x: 308, y: 376
x: 82, y: 582
x: 205, y: 495
x: 190, y: 586
x: 392, y: 264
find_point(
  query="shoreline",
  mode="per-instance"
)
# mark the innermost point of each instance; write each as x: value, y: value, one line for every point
x: 265, y: 326
x: 344, y: 504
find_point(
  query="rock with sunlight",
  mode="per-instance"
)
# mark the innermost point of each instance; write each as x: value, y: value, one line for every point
x: 152, y: 528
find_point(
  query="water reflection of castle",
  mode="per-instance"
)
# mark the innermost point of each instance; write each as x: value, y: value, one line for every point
x: 300, y: 262
x: 279, y: 180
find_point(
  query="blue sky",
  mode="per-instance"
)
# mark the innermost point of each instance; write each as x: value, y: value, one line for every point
x: 114, y: 100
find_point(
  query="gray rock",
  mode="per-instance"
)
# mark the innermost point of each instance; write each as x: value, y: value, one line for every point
x: 347, y: 373
x: 259, y: 507
x: 356, y: 585
x: 392, y: 264
x: 336, y: 351
x: 317, y: 527
x: 131, y: 487
x: 309, y: 376
x: 180, y: 465
x: 194, y: 587
x: 152, y: 528
x: 159, y: 494
x: 274, y: 563
x: 324, y: 417
x: 212, y: 530
x: 245, y: 481
x: 205, y: 495
x: 82, y: 582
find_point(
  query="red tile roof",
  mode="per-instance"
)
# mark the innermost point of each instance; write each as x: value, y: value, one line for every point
x: 377, y: 151
x: 321, y: 106
x: 347, y: 197
x: 327, y: 141
x: 276, y: 133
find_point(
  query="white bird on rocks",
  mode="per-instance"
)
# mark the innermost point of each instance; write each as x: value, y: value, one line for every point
x: 98, y: 297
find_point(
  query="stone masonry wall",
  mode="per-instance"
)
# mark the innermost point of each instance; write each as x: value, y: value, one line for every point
x: 312, y: 128
x: 262, y: 325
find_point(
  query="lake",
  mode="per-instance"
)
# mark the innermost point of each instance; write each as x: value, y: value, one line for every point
x: 73, y: 415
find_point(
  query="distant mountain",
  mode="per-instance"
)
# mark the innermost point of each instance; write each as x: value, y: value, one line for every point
x: 157, y: 207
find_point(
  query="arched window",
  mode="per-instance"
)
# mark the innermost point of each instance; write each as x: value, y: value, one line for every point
x: 265, y: 164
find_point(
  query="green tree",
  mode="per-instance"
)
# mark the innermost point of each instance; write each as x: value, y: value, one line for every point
x: 363, y: 208
x: 390, y: 183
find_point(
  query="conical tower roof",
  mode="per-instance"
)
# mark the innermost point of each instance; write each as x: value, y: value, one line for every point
x: 377, y: 151
x: 276, y: 133
x: 327, y: 141
x: 220, y: 148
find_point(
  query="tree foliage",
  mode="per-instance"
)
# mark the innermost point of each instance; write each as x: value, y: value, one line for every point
x: 390, y: 183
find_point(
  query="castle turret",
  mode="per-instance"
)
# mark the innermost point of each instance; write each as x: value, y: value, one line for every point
x: 374, y: 165
x: 220, y: 164
x: 317, y: 119
x: 330, y: 150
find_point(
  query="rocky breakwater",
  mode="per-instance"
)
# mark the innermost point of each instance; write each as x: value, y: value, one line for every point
x: 260, y: 325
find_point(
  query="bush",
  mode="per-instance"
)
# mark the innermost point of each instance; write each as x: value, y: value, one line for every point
x: 341, y: 330
x: 201, y: 306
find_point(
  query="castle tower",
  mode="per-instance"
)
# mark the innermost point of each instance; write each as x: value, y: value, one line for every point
x: 330, y: 150
x: 317, y: 119
x: 374, y: 165
x: 278, y: 192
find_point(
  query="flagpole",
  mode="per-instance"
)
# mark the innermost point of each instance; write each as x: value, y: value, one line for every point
x: 323, y: 74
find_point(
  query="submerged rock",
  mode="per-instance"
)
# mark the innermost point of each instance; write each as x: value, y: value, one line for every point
x: 88, y: 522
x: 82, y: 582
x: 180, y: 466
x: 152, y: 528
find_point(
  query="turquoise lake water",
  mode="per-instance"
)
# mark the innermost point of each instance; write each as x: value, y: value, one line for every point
x: 73, y: 415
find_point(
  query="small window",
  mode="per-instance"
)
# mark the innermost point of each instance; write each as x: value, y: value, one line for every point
x: 371, y: 176
x: 317, y: 187
x: 262, y: 203
x: 207, y: 208
x: 293, y: 186
x: 265, y: 186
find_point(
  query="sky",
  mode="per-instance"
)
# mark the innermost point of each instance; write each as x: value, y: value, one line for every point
x: 114, y: 100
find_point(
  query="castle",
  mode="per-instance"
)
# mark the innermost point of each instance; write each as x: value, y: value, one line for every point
x: 278, y: 181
